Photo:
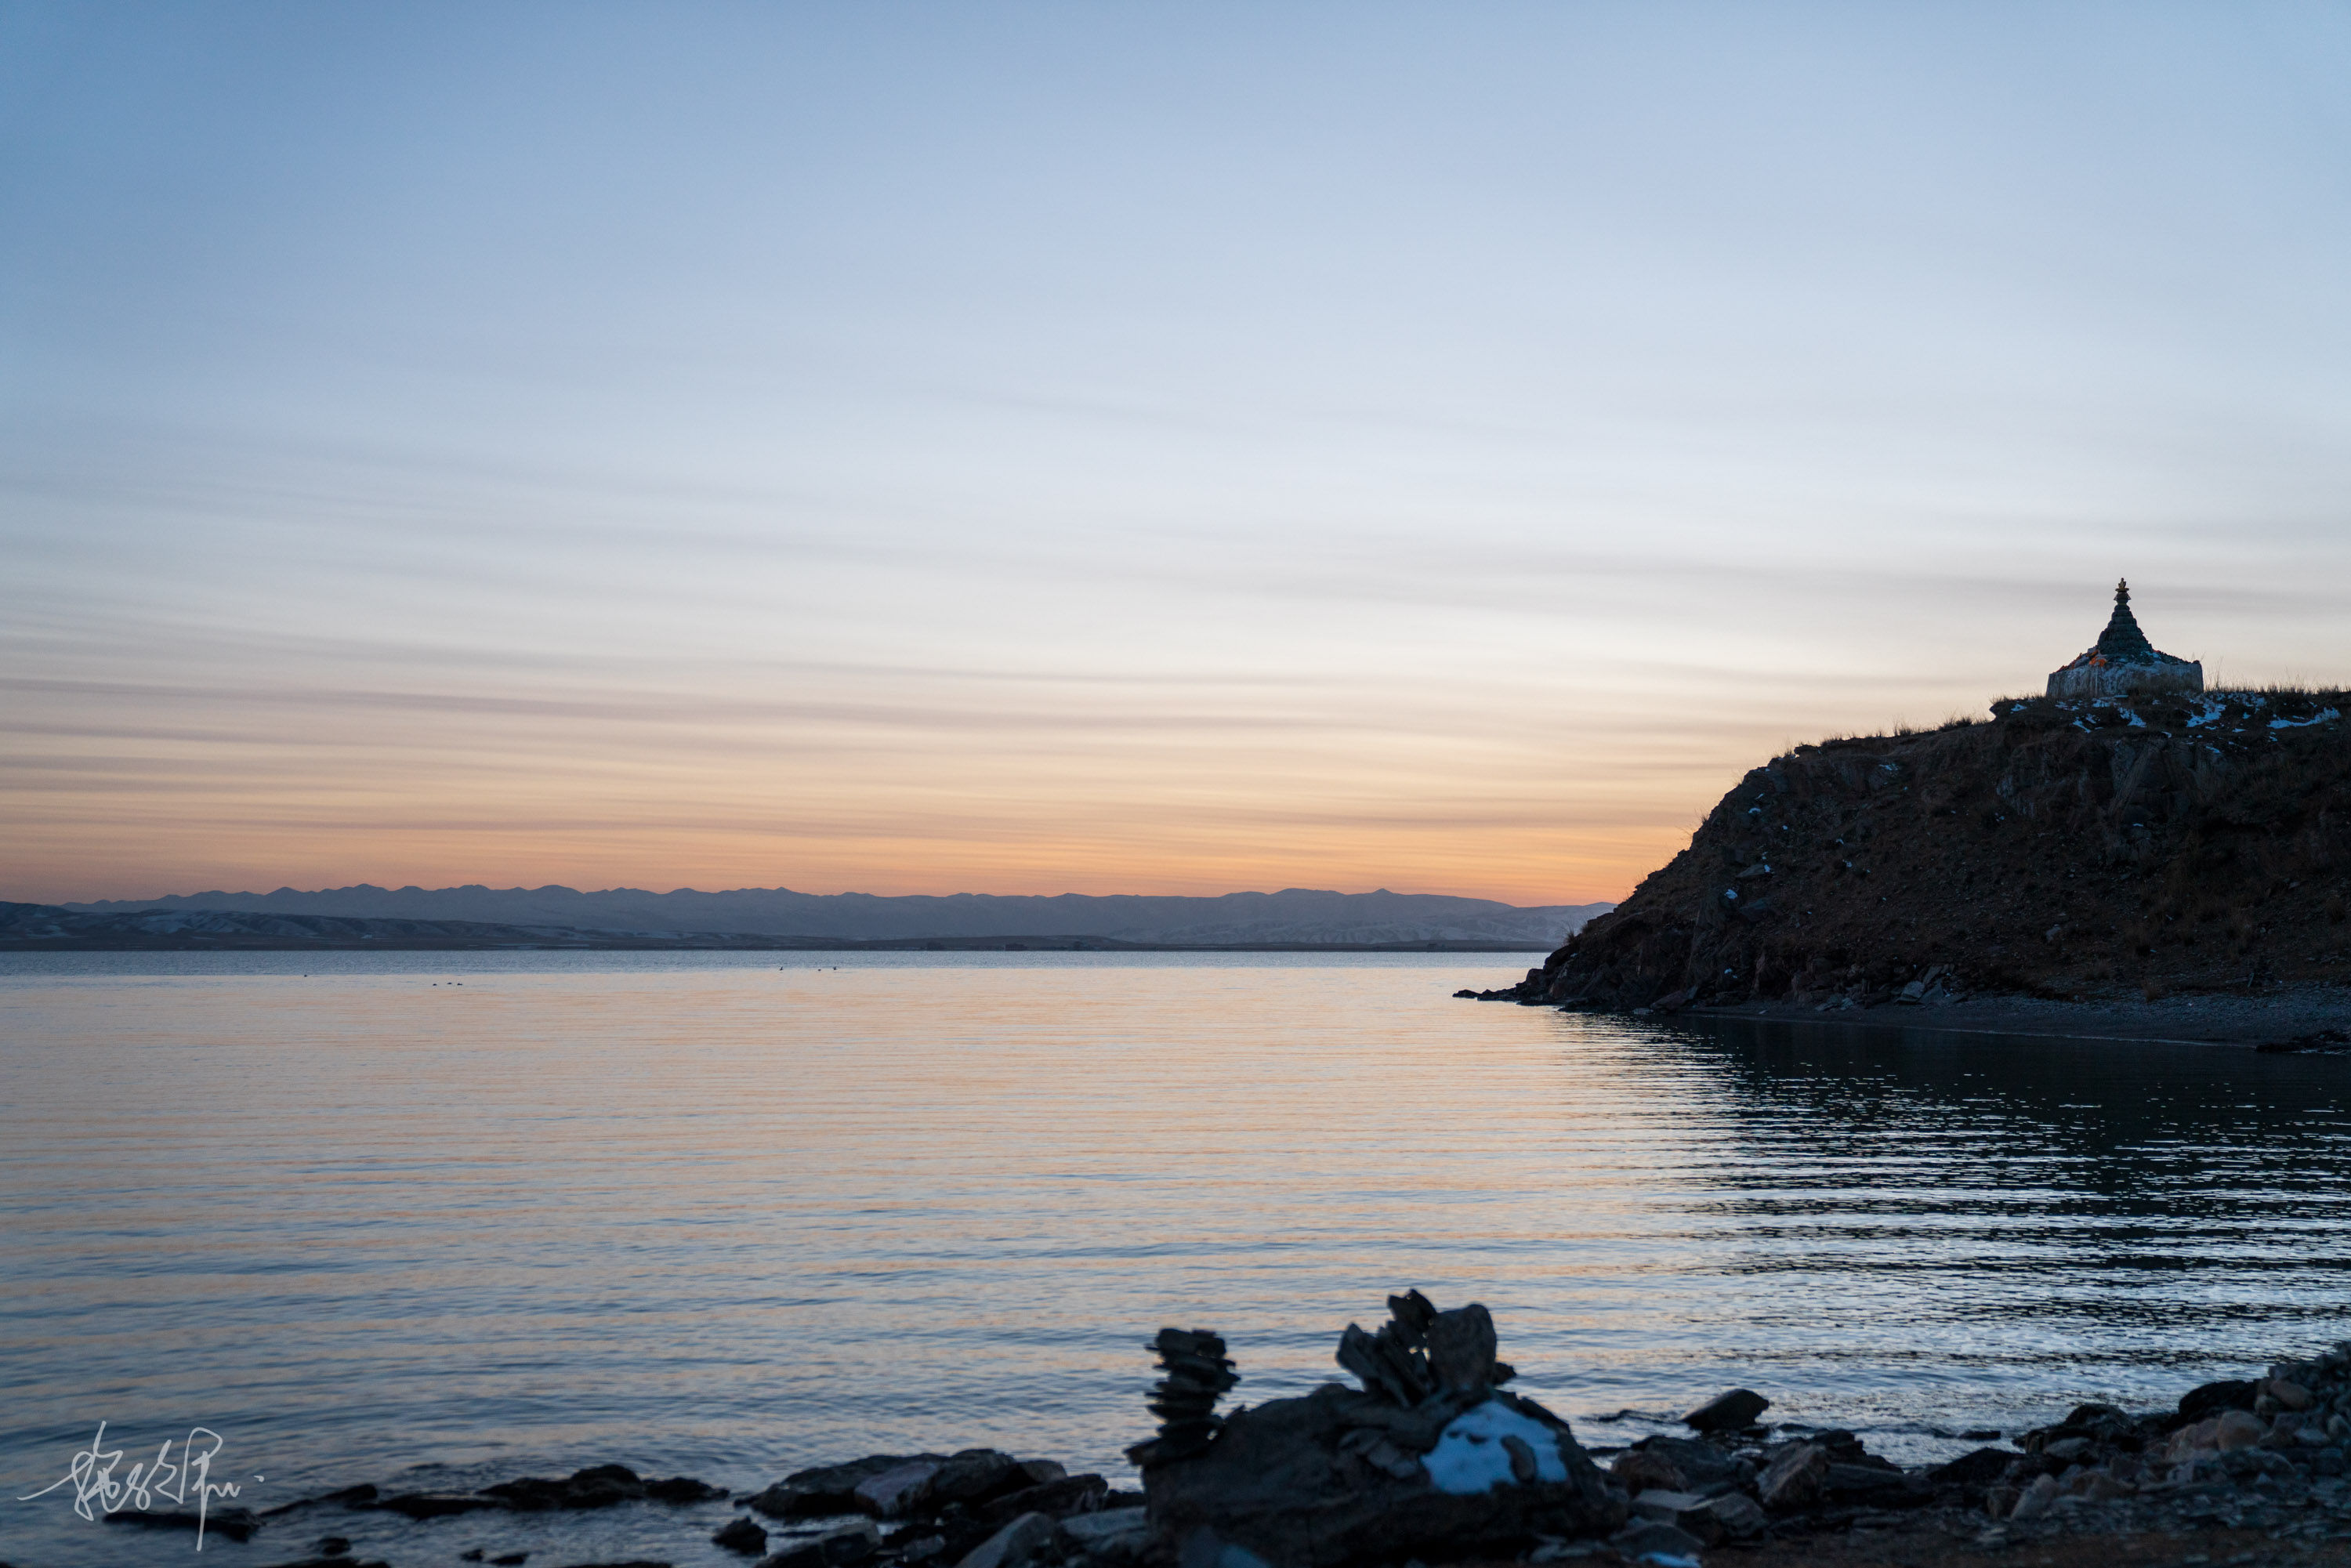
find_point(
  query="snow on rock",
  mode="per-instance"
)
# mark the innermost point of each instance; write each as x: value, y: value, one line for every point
x: 1470, y: 1457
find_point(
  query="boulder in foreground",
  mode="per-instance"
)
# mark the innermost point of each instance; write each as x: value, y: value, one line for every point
x: 1429, y: 1458
x: 1728, y: 1412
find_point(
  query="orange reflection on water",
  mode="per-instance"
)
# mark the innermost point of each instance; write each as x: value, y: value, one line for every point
x: 709, y: 1213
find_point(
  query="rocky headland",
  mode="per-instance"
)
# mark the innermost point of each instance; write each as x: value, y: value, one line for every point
x: 2102, y: 849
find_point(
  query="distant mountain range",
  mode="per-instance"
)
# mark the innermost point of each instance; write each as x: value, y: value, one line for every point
x: 1290, y: 917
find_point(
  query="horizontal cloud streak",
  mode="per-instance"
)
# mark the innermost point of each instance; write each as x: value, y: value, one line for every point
x: 1113, y: 452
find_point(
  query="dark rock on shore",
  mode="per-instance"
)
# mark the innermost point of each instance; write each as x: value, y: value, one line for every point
x: 1109, y: 1535
x: 977, y: 1476
x: 1796, y: 1477
x: 741, y: 1535
x: 597, y: 1486
x: 1014, y: 1544
x: 2211, y: 1398
x: 436, y: 1505
x: 839, y: 1548
x: 600, y: 1486
x: 683, y: 1488
x: 1428, y: 1459
x: 1054, y: 1499
x: 830, y: 1489
x: 1976, y: 1470
x: 1684, y: 1464
x: 236, y: 1524
x: 1728, y: 1412
x: 348, y: 1497
x: 1707, y: 1519
x: 945, y: 1510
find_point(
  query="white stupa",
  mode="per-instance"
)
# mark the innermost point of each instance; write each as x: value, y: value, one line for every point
x: 2122, y: 661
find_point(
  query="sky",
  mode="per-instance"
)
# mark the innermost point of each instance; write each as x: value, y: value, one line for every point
x: 1038, y: 449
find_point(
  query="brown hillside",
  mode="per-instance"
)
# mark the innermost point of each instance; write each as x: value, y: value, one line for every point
x: 2063, y: 848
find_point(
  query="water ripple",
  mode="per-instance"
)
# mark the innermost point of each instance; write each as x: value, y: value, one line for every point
x: 709, y: 1214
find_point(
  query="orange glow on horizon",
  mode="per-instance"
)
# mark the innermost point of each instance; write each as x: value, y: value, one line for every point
x: 251, y: 790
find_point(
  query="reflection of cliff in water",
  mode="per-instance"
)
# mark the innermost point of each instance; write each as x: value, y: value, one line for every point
x: 2122, y: 1198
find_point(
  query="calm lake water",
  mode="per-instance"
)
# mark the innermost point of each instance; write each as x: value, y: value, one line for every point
x: 726, y: 1215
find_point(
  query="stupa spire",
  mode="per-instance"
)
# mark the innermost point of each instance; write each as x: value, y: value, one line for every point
x: 2122, y: 639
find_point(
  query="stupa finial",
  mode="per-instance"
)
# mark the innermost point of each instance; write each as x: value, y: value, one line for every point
x: 2122, y: 591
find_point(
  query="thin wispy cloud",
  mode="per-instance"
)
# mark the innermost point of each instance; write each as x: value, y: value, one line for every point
x: 1055, y: 449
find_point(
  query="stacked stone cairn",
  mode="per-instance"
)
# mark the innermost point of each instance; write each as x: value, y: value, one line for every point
x: 1428, y: 1459
x: 1195, y: 1374
x: 1420, y: 1352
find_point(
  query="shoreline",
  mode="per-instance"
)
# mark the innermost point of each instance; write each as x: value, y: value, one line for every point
x: 208, y: 943
x: 2251, y: 1470
x: 2313, y: 1017
x: 2299, y: 1017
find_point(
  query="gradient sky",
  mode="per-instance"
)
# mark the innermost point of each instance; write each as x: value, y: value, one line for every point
x: 1042, y: 448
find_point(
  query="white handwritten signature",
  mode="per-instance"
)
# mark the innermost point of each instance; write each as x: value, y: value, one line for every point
x: 93, y: 1480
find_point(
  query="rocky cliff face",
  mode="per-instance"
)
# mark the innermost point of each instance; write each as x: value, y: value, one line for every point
x: 2066, y: 848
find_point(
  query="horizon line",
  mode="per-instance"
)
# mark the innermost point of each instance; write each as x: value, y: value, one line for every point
x: 780, y: 888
